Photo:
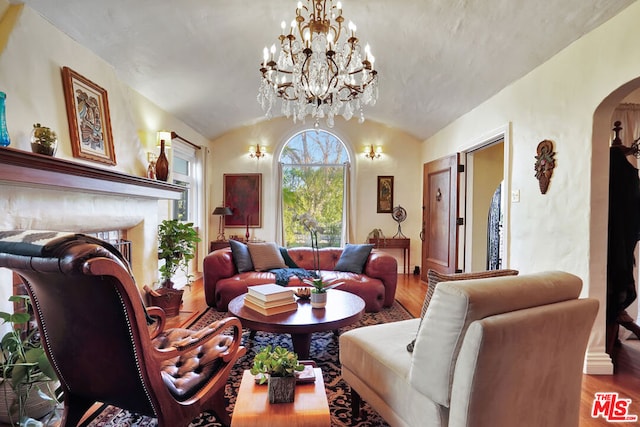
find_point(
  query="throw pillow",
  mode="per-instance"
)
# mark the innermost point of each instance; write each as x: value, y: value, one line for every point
x: 241, y: 256
x: 287, y: 258
x: 265, y: 256
x: 353, y: 258
x: 434, y: 278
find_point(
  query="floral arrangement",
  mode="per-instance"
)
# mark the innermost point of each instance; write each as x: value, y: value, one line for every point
x: 311, y: 225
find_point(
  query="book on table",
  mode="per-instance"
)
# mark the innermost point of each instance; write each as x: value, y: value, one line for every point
x: 270, y: 292
x: 269, y: 304
x: 268, y: 311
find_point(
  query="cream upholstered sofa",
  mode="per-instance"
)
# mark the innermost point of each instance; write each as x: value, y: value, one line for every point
x: 504, y: 351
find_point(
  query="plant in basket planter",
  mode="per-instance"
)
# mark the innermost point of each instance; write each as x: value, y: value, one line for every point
x: 29, y: 383
x: 177, y: 243
x: 278, y: 367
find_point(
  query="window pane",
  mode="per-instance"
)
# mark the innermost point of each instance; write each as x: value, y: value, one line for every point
x: 180, y: 165
x: 181, y: 206
x: 318, y: 191
x: 313, y: 183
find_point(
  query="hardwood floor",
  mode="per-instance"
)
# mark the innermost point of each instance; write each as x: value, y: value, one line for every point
x: 410, y: 293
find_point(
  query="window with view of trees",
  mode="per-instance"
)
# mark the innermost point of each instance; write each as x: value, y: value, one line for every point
x: 313, y: 171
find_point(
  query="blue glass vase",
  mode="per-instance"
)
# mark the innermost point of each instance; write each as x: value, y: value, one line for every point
x: 4, y: 133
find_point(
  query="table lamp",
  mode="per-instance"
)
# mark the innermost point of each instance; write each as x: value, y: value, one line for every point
x: 222, y: 211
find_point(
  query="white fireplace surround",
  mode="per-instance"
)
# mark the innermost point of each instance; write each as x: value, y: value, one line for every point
x: 42, y: 193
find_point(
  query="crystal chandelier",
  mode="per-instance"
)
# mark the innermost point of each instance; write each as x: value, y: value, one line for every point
x: 321, y: 69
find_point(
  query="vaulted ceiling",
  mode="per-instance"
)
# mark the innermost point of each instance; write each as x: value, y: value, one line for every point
x: 437, y: 59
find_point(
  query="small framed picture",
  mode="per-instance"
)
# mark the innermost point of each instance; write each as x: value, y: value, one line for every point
x: 88, y: 116
x: 243, y: 194
x: 385, y: 194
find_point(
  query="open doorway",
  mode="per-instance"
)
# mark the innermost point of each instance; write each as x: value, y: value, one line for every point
x: 485, y: 208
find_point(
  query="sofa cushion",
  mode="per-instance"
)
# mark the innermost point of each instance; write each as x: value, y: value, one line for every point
x: 241, y: 256
x: 265, y: 256
x: 435, y: 277
x: 455, y: 305
x: 287, y: 258
x: 353, y: 258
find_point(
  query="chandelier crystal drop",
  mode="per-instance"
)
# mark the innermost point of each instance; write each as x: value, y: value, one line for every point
x: 321, y: 69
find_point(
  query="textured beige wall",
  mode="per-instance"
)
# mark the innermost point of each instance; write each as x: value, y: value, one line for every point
x: 566, y: 228
x: 401, y: 158
x: 30, y: 75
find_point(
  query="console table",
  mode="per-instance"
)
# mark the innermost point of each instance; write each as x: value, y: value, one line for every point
x: 404, y: 244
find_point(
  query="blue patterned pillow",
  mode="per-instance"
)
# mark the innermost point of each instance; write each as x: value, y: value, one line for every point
x: 353, y: 258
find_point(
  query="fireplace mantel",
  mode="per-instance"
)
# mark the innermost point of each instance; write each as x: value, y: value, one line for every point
x: 24, y: 168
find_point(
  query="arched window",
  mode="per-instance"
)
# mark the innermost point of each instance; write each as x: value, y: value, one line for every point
x: 314, y: 180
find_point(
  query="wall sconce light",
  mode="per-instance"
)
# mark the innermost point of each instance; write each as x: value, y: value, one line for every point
x: 257, y: 151
x: 222, y: 211
x: 163, y: 135
x: 370, y: 153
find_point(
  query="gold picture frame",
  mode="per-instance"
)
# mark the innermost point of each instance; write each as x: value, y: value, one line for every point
x: 384, y: 202
x: 89, y: 121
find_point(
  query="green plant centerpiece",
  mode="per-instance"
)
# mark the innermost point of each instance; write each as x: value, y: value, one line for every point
x: 43, y: 140
x: 28, y: 381
x: 278, y: 367
x: 177, y: 243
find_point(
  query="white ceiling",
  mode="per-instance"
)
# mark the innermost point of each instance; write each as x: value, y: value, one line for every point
x: 437, y: 59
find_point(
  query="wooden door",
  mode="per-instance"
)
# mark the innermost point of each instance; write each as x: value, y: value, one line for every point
x: 440, y: 196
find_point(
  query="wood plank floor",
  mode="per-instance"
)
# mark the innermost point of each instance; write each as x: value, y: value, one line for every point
x: 410, y: 293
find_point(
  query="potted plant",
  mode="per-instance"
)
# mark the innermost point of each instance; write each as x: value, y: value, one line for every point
x: 27, y: 379
x: 43, y: 140
x: 278, y: 367
x: 177, y: 243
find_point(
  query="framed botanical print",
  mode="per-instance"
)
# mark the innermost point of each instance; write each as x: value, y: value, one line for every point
x: 385, y: 194
x: 89, y: 121
x: 243, y: 194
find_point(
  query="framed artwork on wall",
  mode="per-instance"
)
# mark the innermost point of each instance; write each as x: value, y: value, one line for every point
x: 243, y: 194
x: 88, y: 115
x: 385, y: 194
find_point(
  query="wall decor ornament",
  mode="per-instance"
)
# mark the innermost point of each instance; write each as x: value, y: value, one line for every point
x: 384, y: 198
x: 89, y: 121
x: 243, y: 194
x: 545, y: 163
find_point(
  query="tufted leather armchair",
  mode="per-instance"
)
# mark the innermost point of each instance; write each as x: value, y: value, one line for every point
x: 104, y: 345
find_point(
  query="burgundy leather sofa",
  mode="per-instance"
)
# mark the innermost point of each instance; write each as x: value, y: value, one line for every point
x: 376, y: 285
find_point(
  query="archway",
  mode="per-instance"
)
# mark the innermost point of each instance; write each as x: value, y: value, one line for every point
x: 599, y: 361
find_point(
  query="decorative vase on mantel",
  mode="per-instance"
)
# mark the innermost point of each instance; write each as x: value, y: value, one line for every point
x: 162, y: 164
x: 4, y: 133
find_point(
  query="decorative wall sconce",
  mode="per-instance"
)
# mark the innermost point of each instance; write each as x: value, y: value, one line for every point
x: 545, y: 163
x: 257, y: 151
x: 370, y: 153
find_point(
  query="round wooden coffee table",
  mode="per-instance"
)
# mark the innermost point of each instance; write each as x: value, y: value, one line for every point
x: 343, y: 309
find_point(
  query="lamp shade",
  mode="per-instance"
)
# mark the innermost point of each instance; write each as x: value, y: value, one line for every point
x: 222, y: 210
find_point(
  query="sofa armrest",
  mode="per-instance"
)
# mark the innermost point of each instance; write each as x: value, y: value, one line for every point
x: 217, y: 265
x: 381, y: 265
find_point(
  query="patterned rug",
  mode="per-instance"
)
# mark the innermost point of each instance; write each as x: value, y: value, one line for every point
x: 324, y: 350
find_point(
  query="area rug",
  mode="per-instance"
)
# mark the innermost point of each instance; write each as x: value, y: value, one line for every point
x: 324, y: 351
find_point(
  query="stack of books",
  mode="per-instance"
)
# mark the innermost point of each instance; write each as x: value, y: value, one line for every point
x: 270, y: 299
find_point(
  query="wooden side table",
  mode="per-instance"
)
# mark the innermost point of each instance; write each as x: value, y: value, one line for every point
x: 309, y: 408
x: 218, y: 244
x: 404, y: 244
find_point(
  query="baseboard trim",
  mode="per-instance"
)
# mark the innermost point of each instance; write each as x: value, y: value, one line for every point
x: 598, y: 363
